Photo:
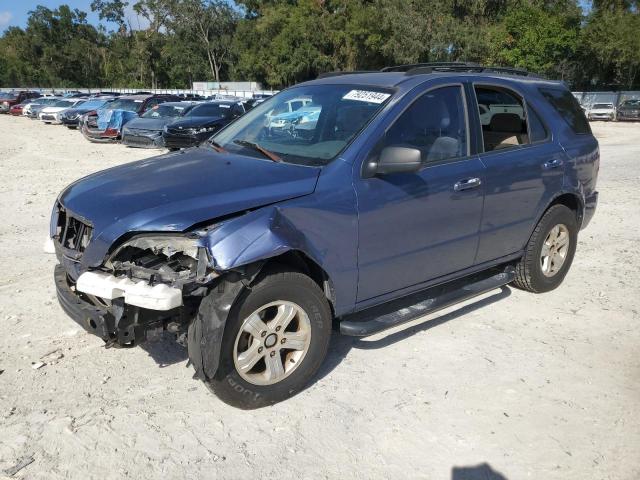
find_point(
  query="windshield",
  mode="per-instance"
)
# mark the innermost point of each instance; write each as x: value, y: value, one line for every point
x: 603, y: 105
x: 64, y: 103
x: 7, y: 96
x: 631, y: 103
x: 126, y: 104
x: 211, y: 110
x: 162, y: 111
x: 307, y: 125
x: 47, y: 101
x: 92, y: 104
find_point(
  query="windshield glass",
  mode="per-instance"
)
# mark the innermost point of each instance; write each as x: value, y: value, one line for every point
x: 7, y: 96
x: 161, y: 111
x: 211, y: 110
x: 91, y: 104
x: 64, y: 103
x: 603, y: 105
x: 307, y: 125
x: 631, y: 103
x: 126, y: 104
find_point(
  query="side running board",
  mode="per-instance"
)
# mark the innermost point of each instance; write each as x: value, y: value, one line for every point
x: 377, y: 319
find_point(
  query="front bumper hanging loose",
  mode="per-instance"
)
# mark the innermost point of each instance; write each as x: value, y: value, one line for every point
x: 117, y: 323
x: 137, y: 293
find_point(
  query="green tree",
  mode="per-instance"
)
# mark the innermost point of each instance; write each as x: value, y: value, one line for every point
x: 537, y: 37
x: 212, y: 24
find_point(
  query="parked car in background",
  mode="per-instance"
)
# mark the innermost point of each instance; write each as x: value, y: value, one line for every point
x: 253, y: 247
x: 629, y: 110
x: 18, y: 107
x: 202, y: 121
x: 53, y: 113
x: 32, y: 110
x: 71, y: 117
x: 146, y: 131
x: 105, y: 124
x: 7, y: 100
x: 601, y: 111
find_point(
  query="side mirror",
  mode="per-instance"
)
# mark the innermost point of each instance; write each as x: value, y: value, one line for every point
x: 395, y: 160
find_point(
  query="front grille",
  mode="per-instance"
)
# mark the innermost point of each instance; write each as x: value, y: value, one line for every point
x: 71, y: 232
x: 48, y: 117
x: 133, y: 140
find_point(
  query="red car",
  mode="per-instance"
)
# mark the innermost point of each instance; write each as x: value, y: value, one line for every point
x: 17, y: 108
x: 8, y: 100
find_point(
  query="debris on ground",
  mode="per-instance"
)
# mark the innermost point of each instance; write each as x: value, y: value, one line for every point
x: 22, y: 462
x: 52, y: 357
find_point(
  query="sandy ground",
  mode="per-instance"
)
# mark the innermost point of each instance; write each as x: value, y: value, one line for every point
x: 530, y: 386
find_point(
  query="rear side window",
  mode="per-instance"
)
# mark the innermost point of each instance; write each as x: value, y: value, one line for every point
x: 536, y: 127
x: 502, y: 116
x: 568, y: 108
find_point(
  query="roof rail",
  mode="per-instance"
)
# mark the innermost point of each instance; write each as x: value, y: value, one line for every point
x: 434, y: 67
x: 412, y: 66
x: 338, y: 74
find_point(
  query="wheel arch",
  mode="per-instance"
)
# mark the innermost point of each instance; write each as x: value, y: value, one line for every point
x: 298, y: 260
x: 572, y: 201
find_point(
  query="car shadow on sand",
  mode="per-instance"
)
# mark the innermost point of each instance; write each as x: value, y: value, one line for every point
x: 476, y: 472
x: 341, y: 344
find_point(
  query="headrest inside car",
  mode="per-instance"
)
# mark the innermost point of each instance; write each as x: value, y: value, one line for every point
x: 506, y: 122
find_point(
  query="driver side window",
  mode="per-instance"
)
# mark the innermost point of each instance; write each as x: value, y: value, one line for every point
x: 435, y: 124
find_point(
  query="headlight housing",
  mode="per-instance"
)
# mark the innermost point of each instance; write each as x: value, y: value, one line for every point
x: 175, y: 259
x: 167, y: 245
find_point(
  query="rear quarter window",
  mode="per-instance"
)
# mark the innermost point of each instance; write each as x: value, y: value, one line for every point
x: 568, y: 108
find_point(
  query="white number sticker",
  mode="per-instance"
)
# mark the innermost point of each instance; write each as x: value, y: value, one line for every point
x: 366, y: 96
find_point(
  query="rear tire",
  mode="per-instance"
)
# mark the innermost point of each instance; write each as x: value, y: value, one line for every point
x: 549, y: 252
x: 286, y: 339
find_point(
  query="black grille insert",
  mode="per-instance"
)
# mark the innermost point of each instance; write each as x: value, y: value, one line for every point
x: 72, y: 233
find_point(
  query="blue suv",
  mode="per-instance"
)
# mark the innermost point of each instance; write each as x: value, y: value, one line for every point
x: 419, y: 185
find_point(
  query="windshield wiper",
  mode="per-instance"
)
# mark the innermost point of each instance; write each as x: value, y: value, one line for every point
x: 255, y: 146
x: 216, y: 146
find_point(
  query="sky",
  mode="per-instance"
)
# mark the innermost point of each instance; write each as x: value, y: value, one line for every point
x: 16, y: 12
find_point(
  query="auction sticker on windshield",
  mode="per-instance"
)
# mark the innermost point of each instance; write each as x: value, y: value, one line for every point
x: 366, y: 96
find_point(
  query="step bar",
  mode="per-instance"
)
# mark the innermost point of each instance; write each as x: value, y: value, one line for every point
x: 377, y: 319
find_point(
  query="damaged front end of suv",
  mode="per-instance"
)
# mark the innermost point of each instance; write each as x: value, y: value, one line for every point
x: 129, y: 269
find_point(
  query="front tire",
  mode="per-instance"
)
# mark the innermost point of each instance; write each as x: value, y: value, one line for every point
x: 549, y: 252
x: 275, y: 339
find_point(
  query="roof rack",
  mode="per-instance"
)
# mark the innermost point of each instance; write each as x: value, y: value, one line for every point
x: 338, y: 74
x: 436, y: 67
x: 412, y: 66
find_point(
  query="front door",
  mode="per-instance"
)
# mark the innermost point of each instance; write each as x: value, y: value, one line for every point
x: 414, y: 227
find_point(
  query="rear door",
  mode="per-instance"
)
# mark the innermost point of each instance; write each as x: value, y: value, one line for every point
x: 524, y: 169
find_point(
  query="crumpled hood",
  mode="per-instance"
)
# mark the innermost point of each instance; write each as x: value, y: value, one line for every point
x: 173, y: 192
x: 150, y: 123
x: 115, y: 119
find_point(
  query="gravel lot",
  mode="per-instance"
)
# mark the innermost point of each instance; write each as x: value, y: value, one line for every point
x: 530, y: 386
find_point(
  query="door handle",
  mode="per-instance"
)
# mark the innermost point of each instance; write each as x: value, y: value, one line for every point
x: 552, y: 164
x: 467, y: 184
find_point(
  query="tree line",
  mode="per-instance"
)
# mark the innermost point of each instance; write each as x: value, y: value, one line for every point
x: 282, y: 42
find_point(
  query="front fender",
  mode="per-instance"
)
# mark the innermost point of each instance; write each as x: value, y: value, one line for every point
x: 253, y: 237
